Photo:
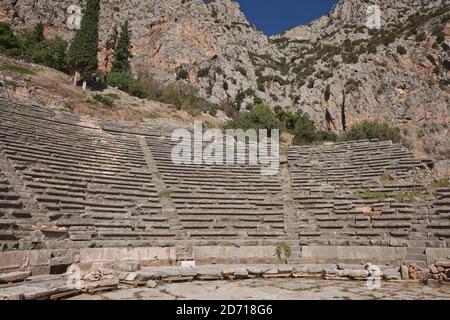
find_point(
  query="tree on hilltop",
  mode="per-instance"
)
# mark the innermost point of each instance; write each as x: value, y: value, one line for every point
x: 84, y: 48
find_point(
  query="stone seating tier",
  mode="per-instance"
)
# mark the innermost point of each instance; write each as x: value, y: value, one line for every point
x: 84, y: 184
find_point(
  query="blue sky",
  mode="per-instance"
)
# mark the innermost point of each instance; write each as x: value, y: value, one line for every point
x: 276, y: 16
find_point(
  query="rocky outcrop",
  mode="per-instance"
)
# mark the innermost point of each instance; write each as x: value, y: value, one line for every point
x: 335, y: 68
x: 213, y: 42
x: 398, y: 74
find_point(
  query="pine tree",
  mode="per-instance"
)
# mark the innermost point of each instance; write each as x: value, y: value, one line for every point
x: 122, y: 53
x: 84, y: 48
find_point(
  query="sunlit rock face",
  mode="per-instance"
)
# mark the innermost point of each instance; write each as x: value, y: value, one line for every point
x: 338, y: 65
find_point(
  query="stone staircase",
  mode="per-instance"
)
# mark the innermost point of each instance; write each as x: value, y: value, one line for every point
x: 440, y: 214
x: 4, y: 95
x: 168, y: 207
x: 290, y: 212
x: 296, y: 254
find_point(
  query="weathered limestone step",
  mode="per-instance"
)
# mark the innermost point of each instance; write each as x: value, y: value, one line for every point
x: 168, y: 207
x: 290, y: 214
x: 27, y: 202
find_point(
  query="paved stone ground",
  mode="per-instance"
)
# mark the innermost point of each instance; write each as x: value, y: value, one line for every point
x: 278, y: 289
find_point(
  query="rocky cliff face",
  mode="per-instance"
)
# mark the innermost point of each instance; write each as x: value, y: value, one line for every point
x: 398, y: 74
x: 335, y: 68
x: 213, y: 42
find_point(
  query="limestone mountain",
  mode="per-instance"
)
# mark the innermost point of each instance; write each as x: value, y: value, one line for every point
x: 212, y: 42
x: 342, y: 72
x: 334, y: 68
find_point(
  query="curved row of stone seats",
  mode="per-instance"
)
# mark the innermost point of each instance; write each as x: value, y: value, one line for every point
x: 94, y: 184
x: 221, y: 200
x: 3, y: 94
x: 147, y: 129
x: 14, y: 218
x: 350, y: 165
x: 440, y: 217
x: 348, y: 219
x: 341, y: 199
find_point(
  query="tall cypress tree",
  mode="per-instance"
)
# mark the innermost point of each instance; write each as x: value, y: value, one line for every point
x: 84, y: 48
x: 39, y: 32
x: 122, y: 53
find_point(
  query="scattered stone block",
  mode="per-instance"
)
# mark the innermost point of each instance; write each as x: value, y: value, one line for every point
x: 315, y: 269
x: 254, y: 270
x: 241, y: 273
x: 271, y: 273
x: 300, y: 271
x: 391, y: 274
x: 188, y: 272
x: 127, y: 266
x: 145, y: 275
x: 443, y: 264
x: 171, y: 272
x: 128, y: 276
x: 358, y: 274
x: 16, y: 276
x: 404, y: 271
x: 228, y: 273
x: 209, y: 274
x: 285, y: 269
x: 343, y: 266
x: 353, y: 274
x: 330, y: 270
x: 99, y: 285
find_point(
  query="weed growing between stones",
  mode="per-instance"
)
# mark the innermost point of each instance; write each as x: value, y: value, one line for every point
x: 283, y: 251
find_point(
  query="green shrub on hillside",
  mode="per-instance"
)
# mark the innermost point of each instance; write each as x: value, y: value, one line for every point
x: 9, y: 43
x: 305, y: 131
x: 352, y: 85
x: 401, y: 50
x: 16, y: 69
x: 372, y: 130
x: 179, y: 94
x: 182, y: 74
x: 327, y: 135
x: 440, y: 37
x: 51, y: 53
x: 122, y: 81
x: 260, y: 117
x: 31, y: 43
x: 104, y: 99
x: 203, y: 73
x: 241, y: 70
x: 302, y: 127
x: 287, y: 118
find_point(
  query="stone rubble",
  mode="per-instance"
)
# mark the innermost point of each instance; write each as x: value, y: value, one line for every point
x: 99, y: 279
x: 440, y: 271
